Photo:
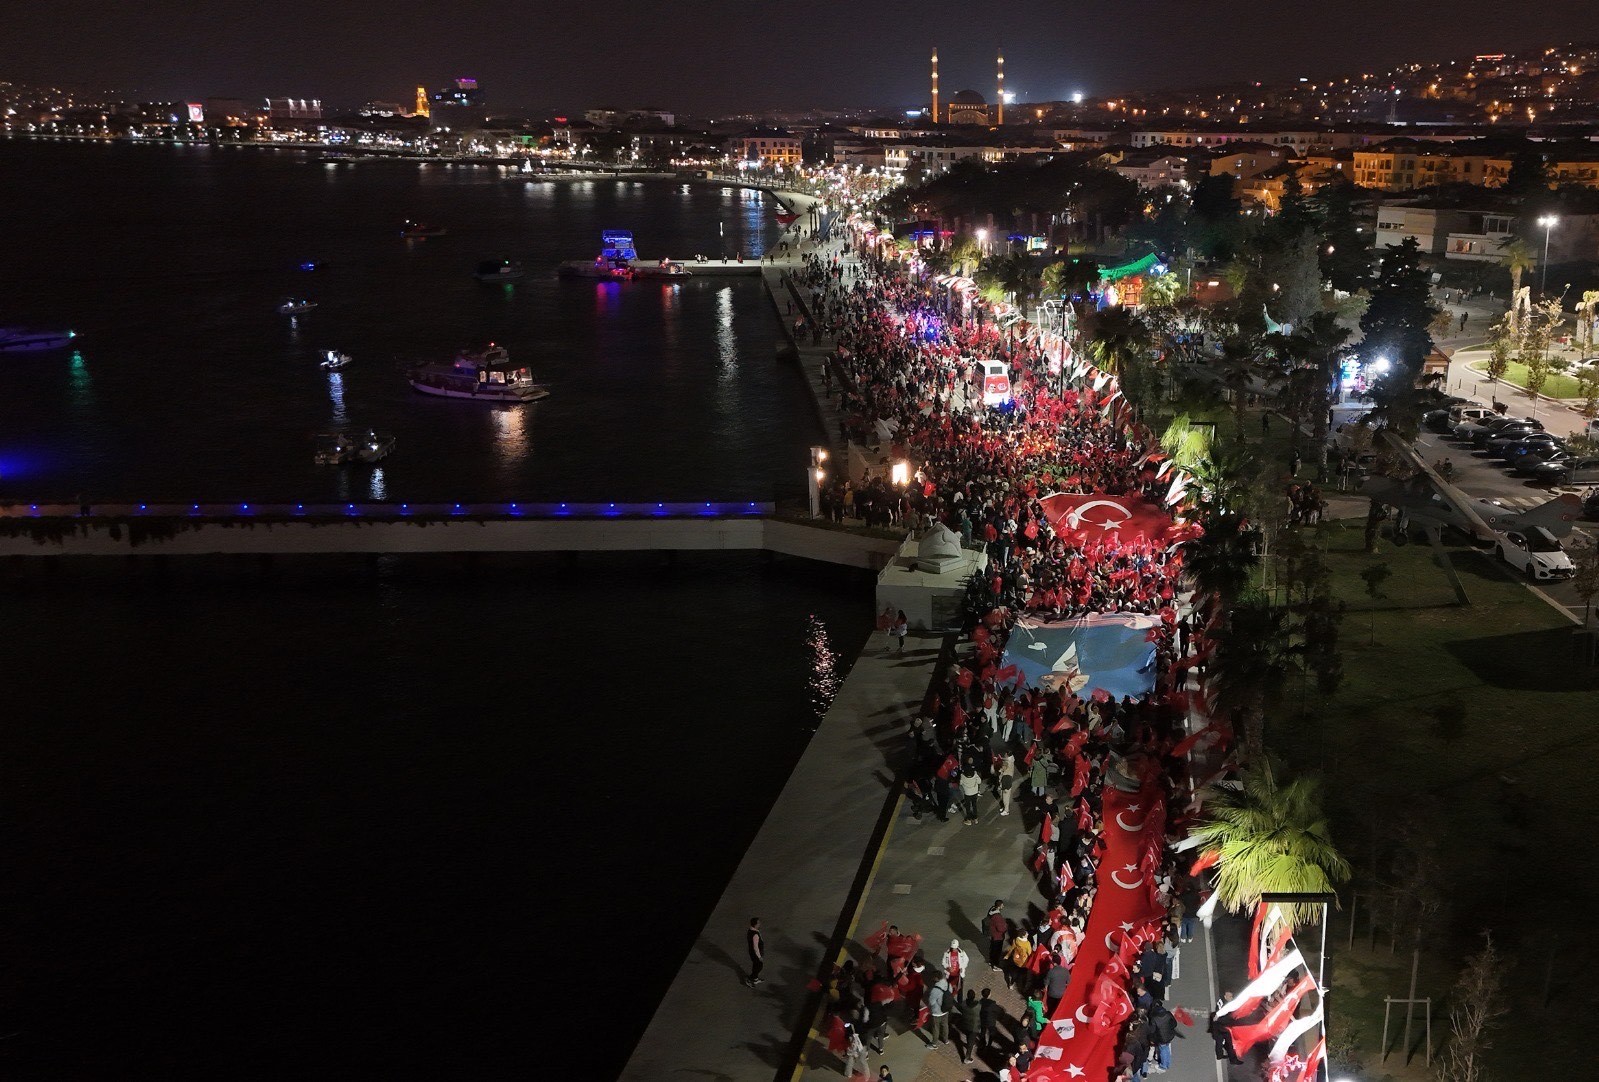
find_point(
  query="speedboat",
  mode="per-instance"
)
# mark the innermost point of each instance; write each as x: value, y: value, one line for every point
x: 373, y: 447
x: 334, y: 449
x: 33, y: 339
x: 333, y: 360
x: 498, y: 270
x: 615, y: 260
x: 483, y: 375
x: 414, y: 230
x: 294, y: 307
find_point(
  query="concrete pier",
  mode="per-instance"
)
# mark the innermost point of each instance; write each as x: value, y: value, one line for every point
x: 803, y: 877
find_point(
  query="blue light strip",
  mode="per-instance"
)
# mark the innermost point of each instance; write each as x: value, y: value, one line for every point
x: 519, y: 510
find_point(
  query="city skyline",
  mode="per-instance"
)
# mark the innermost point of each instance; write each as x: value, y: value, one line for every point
x: 719, y: 57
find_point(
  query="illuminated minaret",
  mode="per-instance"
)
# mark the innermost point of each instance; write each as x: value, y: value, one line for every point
x: 421, y: 101
x: 935, y: 86
x: 1001, y: 119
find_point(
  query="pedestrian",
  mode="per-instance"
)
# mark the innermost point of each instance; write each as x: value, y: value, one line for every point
x: 938, y: 1007
x: 987, y: 1019
x: 970, y: 785
x: 1038, y: 775
x: 1221, y: 1031
x: 1021, y: 949
x: 876, y: 1022
x: 971, y: 1013
x: 1265, y: 424
x: 956, y: 965
x: 855, y: 1061
x: 1055, y: 982
x: 1463, y: 317
x: 1293, y: 463
x: 902, y: 628
x: 1035, y: 1015
x: 1007, y: 781
x: 884, y: 1075
x: 756, y: 945
x: 1162, y: 1031
x: 998, y: 926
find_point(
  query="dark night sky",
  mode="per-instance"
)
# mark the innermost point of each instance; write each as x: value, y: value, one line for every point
x: 716, y: 55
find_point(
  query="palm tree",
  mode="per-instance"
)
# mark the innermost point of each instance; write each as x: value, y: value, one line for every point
x: 1241, y: 371
x: 1520, y: 258
x: 1270, y: 838
x: 1120, y: 336
x: 965, y: 256
x: 1255, y: 657
x: 1162, y: 291
x: 1221, y: 560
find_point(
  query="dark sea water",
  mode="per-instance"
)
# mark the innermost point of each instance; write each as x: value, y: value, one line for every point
x: 413, y: 816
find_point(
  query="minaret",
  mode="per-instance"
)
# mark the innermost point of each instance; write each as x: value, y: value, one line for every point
x: 935, y: 86
x: 421, y: 101
x: 1001, y: 88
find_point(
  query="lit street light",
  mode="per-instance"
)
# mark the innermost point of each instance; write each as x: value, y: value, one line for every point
x: 1548, y: 222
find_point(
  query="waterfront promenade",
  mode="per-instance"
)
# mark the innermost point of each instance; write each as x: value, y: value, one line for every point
x: 797, y: 876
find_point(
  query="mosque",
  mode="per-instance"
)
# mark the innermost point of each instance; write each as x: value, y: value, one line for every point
x: 968, y: 107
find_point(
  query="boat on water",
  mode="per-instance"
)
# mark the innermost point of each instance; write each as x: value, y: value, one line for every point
x: 295, y: 306
x: 33, y: 339
x: 339, y: 449
x: 664, y: 268
x: 615, y: 260
x: 498, y: 270
x: 482, y: 375
x: 333, y: 360
x: 414, y: 230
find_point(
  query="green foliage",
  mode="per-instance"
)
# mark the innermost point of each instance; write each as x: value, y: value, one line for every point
x: 1396, y: 320
x: 1162, y: 291
x: 965, y: 255
x: 1345, y: 251
x: 1271, y: 838
x: 1374, y: 576
x: 1216, y: 228
x: 1501, y: 346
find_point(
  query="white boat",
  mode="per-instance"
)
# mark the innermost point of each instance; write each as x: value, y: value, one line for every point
x: 419, y: 230
x: 333, y: 360
x: 334, y: 449
x: 294, y: 307
x: 373, y: 447
x: 33, y: 339
x: 485, y: 375
x: 665, y: 268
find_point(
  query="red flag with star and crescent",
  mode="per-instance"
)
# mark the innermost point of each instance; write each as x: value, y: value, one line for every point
x: 1087, y: 518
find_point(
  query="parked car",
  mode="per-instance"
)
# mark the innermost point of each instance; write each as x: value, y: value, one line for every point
x: 1590, y: 505
x: 1445, y: 420
x: 1515, y: 430
x: 1573, y: 469
x: 1466, y: 431
x: 1538, y: 445
x: 1535, y: 553
x: 1496, y: 441
x: 1529, y: 465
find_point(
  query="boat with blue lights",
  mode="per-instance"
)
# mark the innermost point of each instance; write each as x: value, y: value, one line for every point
x: 33, y: 339
x: 615, y: 260
x: 482, y: 375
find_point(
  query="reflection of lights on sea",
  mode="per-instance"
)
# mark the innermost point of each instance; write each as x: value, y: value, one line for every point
x: 377, y: 486
x: 726, y: 341
x: 825, y: 676
x: 510, y: 433
x: 336, y: 395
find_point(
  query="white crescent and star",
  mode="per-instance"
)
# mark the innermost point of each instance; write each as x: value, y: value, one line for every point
x: 1133, y: 829
x: 1116, y: 877
x: 1074, y: 1070
x: 1076, y: 518
x: 1079, y: 1015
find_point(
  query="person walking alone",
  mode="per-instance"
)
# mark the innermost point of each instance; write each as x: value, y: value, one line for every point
x: 756, y: 945
x: 902, y: 628
x: 971, y: 1014
x: 938, y: 1007
x: 998, y: 926
x: 855, y: 1061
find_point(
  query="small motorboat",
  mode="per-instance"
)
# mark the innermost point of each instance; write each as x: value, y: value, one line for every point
x: 415, y: 230
x: 665, y: 268
x: 314, y: 265
x: 373, y: 447
x: 482, y: 375
x: 295, y: 306
x: 334, y: 449
x: 333, y: 360
x: 498, y: 270
x: 33, y: 339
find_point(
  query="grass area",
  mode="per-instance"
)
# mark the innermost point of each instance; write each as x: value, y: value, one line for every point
x: 1558, y: 386
x: 1475, y: 727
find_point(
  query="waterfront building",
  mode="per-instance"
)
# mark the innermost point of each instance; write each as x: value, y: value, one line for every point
x: 776, y: 146
x: 458, y: 107
x: 290, y: 114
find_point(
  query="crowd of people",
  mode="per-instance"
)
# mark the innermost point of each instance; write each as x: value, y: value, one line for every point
x: 903, y: 371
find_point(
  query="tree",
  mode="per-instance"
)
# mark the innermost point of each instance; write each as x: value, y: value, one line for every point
x: 1119, y: 337
x: 1052, y: 283
x: 1289, y: 279
x: 1520, y: 258
x: 1396, y: 320
x: 1215, y: 225
x: 1255, y: 657
x: 1537, y: 332
x: 1271, y: 838
x: 1242, y: 371
x: 1529, y: 173
x: 1346, y: 252
x: 1586, y: 581
x: 1162, y: 291
x: 1477, y: 1003
x: 1501, y: 346
x: 965, y: 256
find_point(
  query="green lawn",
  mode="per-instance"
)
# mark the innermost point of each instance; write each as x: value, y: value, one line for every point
x: 1501, y: 792
x: 1558, y: 386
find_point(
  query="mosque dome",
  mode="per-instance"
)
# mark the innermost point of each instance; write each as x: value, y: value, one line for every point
x: 968, y: 97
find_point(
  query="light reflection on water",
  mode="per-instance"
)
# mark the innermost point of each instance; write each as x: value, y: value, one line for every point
x: 826, y: 667
x: 336, y: 396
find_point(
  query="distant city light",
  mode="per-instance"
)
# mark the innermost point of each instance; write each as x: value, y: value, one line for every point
x: 1077, y: 97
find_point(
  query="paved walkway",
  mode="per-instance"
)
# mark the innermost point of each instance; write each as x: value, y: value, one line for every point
x: 797, y: 876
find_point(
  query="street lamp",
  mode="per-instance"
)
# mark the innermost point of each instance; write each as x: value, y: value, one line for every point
x: 1548, y: 222
x: 982, y: 241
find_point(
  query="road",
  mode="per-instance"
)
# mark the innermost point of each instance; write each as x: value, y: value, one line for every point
x: 1479, y: 476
